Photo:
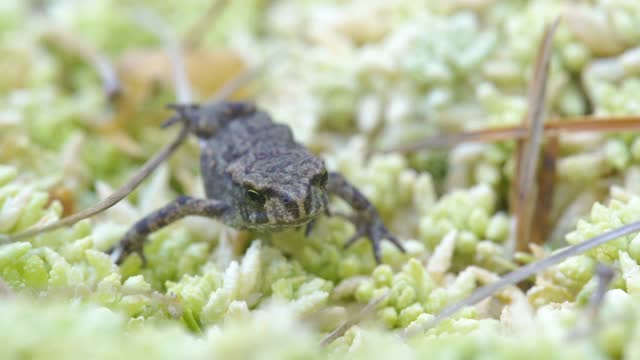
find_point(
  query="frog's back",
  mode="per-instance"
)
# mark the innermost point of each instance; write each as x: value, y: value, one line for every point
x: 250, y: 134
x: 243, y: 143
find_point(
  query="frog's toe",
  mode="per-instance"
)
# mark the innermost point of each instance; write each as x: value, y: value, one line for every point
x: 124, y: 248
x: 360, y: 232
x: 376, y: 233
x: 309, y: 228
x: 394, y: 240
x: 379, y: 233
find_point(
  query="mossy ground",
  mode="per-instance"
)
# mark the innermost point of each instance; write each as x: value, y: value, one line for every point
x: 348, y: 77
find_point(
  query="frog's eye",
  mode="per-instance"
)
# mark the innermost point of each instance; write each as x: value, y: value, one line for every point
x: 255, y: 196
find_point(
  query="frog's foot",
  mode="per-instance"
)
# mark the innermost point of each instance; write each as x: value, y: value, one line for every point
x: 312, y: 224
x: 309, y: 228
x: 370, y: 225
x: 134, y: 239
x: 130, y: 244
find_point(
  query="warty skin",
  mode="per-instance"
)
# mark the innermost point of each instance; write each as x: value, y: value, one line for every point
x: 256, y: 177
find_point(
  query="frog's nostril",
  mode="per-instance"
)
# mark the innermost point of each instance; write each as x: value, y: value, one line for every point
x: 292, y: 207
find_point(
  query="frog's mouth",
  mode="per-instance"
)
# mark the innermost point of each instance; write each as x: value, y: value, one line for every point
x: 284, y: 226
x: 281, y: 220
x: 287, y: 223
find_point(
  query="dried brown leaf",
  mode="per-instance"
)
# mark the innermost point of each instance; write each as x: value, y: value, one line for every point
x: 66, y: 198
x: 208, y: 70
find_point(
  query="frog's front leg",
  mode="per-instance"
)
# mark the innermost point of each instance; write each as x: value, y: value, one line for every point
x: 133, y: 240
x: 366, y: 218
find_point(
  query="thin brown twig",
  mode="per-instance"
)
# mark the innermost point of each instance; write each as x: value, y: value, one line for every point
x: 528, y: 158
x: 554, y: 126
x: 342, y: 329
x: 546, y: 186
x: 194, y: 36
x: 594, y: 123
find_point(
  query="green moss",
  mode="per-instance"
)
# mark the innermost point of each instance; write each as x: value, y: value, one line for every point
x: 354, y: 76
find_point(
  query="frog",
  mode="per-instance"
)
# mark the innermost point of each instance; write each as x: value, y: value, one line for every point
x: 258, y: 178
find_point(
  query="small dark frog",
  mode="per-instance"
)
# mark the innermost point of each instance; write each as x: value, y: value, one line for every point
x: 256, y: 177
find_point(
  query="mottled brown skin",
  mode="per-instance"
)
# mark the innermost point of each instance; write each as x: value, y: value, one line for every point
x: 256, y: 177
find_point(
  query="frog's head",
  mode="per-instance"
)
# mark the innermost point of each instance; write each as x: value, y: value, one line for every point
x: 205, y: 120
x: 286, y: 188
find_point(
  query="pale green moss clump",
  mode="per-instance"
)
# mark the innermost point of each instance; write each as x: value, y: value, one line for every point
x: 71, y: 262
x: 574, y: 277
x: 349, y: 78
x: 56, y: 330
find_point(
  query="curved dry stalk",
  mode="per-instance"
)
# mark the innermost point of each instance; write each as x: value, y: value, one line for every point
x: 342, y: 329
x: 112, y: 199
x: 183, y: 93
x: 526, y: 271
x: 184, y: 96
